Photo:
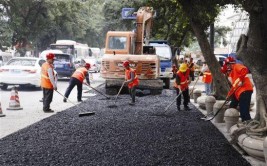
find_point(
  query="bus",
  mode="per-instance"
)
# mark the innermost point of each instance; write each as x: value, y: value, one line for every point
x: 78, y: 50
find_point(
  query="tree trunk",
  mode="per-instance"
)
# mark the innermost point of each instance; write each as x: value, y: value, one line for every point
x: 221, y: 85
x: 252, y: 50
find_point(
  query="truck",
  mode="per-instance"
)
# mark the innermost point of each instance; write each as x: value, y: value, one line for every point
x: 163, y: 50
x: 134, y: 47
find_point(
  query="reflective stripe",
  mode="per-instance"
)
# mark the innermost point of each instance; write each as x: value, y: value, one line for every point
x: 44, y: 76
x: 236, y: 82
x: 183, y: 82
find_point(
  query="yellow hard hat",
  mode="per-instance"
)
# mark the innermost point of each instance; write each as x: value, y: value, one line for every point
x: 183, y: 67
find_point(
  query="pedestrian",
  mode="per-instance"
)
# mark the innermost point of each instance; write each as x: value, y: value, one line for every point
x: 191, y: 66
x: 181, y: 85
x: 77, y: 79
x: 241, y: 87
x: 131, y: 79
x: 207, y: 78
x: 48, y: 82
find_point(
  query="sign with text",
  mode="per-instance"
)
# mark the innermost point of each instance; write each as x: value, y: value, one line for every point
x: 128, y: 13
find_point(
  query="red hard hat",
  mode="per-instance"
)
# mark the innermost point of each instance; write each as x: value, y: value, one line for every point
x: 126, y: 63
x: 50, y: 56
x: 87, y: 65
x: 229, y: 60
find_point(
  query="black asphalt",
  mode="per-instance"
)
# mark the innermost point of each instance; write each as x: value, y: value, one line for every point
x: 127, y: 135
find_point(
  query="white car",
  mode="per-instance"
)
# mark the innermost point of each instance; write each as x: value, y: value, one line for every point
x: 21, y: 71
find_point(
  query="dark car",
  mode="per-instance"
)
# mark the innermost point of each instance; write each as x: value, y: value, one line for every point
x: 64, y: 65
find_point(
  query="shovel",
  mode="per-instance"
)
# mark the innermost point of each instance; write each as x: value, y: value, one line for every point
x: 97, y: 91
x: 81, y: 113
x: 114, y: 105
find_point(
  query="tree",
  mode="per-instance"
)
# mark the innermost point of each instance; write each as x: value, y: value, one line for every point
x: 252, y: 50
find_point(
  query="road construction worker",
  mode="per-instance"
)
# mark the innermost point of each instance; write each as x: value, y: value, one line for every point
x: 48, y: 82
x: 131, y: 80
x: 191, y: 66
x: 77, y: 78
x: 207, y: 78
x: 242, y: 88
x: 181, y: 85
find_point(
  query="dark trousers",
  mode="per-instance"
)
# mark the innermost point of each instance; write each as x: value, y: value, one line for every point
x: 132, y: 92
x: 47, y: 98
x: 72, y: 83
x: 185, y: 94
x: 192, y: 75
x: 244, y: 104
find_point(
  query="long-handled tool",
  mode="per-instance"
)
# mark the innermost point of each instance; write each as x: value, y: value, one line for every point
x: 81, y: 113
x: 173, y: 101
x: 209, y: 118
x: 114, y: 105
x: 194, y: 84
x: 232, y: 91
x: 97, y: 91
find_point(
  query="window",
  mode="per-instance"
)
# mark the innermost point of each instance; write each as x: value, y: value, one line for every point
x: 22, y: 62
x: 116, y: 42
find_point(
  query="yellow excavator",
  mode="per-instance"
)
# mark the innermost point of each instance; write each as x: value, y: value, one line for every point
x: 134, y: 47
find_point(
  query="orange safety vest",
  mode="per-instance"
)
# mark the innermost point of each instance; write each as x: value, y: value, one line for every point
x: 45, y: 81
x: 183, y: 80
x: 207, y: 77
x: 239, y: 73
x: 135, y: 81
x: 80, y: 73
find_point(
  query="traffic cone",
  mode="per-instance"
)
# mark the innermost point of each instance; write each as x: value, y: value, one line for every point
x: 1, y: 112
x: 14, y: 100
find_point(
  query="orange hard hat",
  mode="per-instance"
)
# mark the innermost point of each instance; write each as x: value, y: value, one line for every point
x: 126, y: 63
x: 50, y: 56
x: 87, y: 65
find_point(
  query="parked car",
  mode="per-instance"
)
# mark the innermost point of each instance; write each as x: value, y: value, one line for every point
x: 64, y: 65
x: 21, y: 71
x: 95, y: 64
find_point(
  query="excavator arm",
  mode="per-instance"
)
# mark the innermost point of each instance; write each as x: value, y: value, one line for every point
x: 143, y: 29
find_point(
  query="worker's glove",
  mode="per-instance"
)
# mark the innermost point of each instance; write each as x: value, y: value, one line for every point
x: 55, y: 88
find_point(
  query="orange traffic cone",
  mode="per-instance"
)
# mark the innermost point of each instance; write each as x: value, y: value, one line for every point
x: 1, y: 112
x: 14, y: 100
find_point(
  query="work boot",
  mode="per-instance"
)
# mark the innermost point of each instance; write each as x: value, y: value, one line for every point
x: 64, y: 100
x: 80, y: 100
x: 187, y: 108
x: 49, y: 111
x: 178, y: 108
x: 131, y: 103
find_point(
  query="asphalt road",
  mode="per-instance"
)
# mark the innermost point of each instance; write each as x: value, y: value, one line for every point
x: 32, y: 108
x: 126, y: 135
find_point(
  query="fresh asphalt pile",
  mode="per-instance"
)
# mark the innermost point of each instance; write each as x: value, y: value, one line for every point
x: 126, y: 135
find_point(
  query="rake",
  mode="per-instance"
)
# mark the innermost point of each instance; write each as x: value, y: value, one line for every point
x: 81, y: 113
x: 114, y: 105
x: 97, y: 91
